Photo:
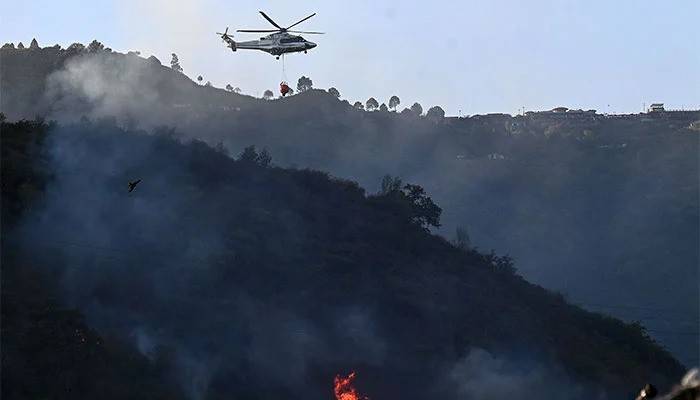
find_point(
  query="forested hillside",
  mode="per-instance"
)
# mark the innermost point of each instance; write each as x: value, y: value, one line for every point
x: 603, y: 209
x: 237, y: 278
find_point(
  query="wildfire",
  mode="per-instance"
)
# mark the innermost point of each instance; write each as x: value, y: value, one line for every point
x: 344, y: 390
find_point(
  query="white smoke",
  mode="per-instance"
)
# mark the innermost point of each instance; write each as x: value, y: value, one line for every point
x: 481, y: 375
x: 105, y: 85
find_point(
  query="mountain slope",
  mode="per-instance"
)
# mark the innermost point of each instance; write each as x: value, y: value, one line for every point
x: 48, y: 351
x: 266, y: 280
x: 602, y: 209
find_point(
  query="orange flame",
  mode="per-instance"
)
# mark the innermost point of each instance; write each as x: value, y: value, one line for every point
x: 344, y: 390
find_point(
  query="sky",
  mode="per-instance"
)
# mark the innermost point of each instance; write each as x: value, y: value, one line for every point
x: 470, y: 57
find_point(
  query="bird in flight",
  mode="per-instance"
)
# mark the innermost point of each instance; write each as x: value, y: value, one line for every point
x: 132, y: 185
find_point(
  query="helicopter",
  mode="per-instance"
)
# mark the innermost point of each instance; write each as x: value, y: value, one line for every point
x: 276, y: 43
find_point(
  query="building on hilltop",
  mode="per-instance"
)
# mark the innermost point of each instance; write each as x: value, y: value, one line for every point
x: 656, y: 107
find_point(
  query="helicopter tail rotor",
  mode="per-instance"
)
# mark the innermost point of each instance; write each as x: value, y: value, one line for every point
x: 228, y: 39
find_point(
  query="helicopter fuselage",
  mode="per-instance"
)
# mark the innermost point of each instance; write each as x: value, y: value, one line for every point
x: 275, y: 44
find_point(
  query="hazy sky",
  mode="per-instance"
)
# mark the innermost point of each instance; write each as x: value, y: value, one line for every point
x: 473, y: 56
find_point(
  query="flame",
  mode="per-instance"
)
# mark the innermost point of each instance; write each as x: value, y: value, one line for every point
x: 344, y: 390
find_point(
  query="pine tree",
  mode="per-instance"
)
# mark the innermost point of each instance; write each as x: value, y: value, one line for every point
x: 175, y: 63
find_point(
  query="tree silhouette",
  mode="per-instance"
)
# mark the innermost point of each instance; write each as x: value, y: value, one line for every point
x: 267, y: 95
x: 199, y: 79
x: 175, y: 63
x: 383, y: 108
x: 304, y: 84
x: 417, y: 109
x: 435, y: 113
x: 425, y: 212
x: 334, y: 92
x: 264, y: 158
x: 390, y: 184
x: 73, y: 48
x: 249, y: 155
x: 394, y: 102
x: 95, y: 47
x: 20, y: 45
x: 236, y: 90
x: 229, y: 88
x: 34, y: 44
x: 462, y: 240
x: 371, y: 104
x: 359, y: 105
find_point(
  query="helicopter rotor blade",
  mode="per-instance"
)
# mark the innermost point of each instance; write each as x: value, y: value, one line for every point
x: 257, y: 30
x: 300, y: 21
x: 271, y: 21
x: 315, y: 33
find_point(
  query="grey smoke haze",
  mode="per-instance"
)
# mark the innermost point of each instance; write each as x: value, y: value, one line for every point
x: 482, y: 376
x: 148, y: 247
x: 568, y: 216
x: 145, y: 265
x: 106, y: 86
x: 159, y: 255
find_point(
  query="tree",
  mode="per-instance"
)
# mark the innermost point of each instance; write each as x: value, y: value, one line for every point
x: 390, y: 184
x: 264, y: 158
x: 290, y: 92
x: 502, y: 264
x: 34, y: 45
x: 417, y: 109
x: 334, y: 92
x: 199, y: 79
x: 267, y: 95
x: 236, y: 90
x: 371, y: 104
x: 220, y: 148
x: 229, y: 88
x: 359, y: 105
x: 75, y: 48
x: 8, y: 46
x: 304, y: 84
x: 20, y: 45
x: 435, y: 113
x: 175, y: 63
x: 383, y: 108
x: 462, y: 240
x: 394, y: 102
x: 95, y: 47
x: 424, y: 212
x: 249, y: 155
